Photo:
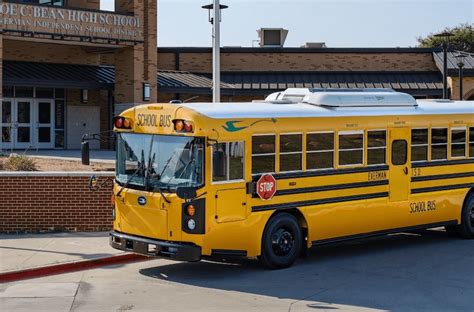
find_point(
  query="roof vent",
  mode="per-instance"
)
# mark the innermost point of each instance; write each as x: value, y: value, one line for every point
x: 272, y: 37
x: 344, y: 97
x: 314, y: 45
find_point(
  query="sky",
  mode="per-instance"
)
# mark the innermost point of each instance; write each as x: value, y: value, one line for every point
x: 338, y: 23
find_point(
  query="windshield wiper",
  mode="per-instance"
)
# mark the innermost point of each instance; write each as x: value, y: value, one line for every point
x: 148, y: 173
x: 141, y: 166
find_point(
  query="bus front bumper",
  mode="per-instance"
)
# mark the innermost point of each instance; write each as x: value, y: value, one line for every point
x: 155, y: 248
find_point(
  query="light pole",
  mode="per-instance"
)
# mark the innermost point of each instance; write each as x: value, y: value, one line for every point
x: 215, y: 20
x: 460, y: 56
x: 445, y: 37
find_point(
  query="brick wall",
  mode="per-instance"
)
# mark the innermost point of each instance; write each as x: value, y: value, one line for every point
x: 37, y: 202
x: 202, y: 62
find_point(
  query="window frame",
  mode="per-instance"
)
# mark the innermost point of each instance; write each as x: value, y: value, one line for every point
x: 263, y: 154
x: 466, y: 143
x: 321, y: 151
x: 378, y: 147
x: 470, y: 140
x: 339, y: 133
x: 428, y: 145
x: 289, y: 153
x: 430, y: 140
x: 227, y: 164
x: 405, y: 162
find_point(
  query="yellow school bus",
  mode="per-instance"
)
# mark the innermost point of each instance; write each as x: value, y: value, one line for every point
x: 304, y: 167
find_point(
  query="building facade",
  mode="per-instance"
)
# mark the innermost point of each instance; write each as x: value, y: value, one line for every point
x: 253, y: 73
x: 67, y: 68
x: 51, y: 55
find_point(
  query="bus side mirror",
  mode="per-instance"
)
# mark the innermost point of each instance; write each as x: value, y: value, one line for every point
x: 85, y: 155
x: 218, y: 164
x: 186, y: 193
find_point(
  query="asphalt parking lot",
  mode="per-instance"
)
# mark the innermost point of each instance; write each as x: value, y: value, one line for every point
x: 405, y: 272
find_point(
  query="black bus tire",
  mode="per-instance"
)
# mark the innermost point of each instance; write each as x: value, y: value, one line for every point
x: 466, y: 228
x: 281, y: 242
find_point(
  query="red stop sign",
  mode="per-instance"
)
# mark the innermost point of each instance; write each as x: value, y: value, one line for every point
x: 266, y: 186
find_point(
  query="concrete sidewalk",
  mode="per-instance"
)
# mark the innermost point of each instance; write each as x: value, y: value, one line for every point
x: 27, y: 251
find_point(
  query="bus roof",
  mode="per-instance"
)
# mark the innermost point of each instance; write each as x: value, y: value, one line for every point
x: 302, y: 110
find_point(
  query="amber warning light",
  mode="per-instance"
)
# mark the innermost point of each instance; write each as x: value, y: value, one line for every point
x: 122, y: 123
x: 183, y: 126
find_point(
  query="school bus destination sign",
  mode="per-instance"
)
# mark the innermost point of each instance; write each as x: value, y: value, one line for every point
x: 18, y: 18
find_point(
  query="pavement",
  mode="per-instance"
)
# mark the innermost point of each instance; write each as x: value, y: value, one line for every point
x: 423, y: 271
x: 103, y: 156
x: 27, y: 251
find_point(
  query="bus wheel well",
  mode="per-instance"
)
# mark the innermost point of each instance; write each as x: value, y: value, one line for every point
x: 299, y: 217
x: 468, y: 195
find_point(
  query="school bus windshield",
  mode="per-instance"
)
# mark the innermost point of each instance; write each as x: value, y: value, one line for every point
x: 147, y: 161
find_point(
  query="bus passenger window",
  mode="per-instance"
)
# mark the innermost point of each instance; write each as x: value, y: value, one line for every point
x: 471, y: 142
x: 458, y: 142
x: 320, y: 150
x: 399, y: 152
x: 263, y: 154
x: 291, y: 152
x: 351, y: 148
x: 228, y: 161
x: 439, y: 143
x: 377, y: 146
x: 419, y: 145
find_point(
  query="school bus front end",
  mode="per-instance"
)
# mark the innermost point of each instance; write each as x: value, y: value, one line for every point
x: 166, y: 201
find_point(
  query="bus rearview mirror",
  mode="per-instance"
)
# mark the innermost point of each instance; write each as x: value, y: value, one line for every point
x: 186, y: 193
x: 85, y: 153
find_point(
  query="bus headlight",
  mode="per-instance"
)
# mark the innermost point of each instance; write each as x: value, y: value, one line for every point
x: 191, y: 224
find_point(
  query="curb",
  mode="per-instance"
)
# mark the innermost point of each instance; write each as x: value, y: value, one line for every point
x: 69, y: 267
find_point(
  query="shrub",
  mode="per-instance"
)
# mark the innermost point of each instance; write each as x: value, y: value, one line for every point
x: 19, y: 163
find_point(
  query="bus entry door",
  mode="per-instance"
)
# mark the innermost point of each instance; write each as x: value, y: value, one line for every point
x: 399, y: 164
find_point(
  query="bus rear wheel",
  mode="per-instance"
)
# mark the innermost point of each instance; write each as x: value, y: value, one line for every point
x: 281, y: 242
x: 466, y: 228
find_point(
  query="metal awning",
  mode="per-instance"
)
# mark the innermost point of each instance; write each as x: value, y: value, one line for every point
x: 58, y: 75
x: 415, y: 83
x: 453, y: 68
x: 17, y: 73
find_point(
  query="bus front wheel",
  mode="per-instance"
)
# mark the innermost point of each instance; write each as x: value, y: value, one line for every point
x: 281, y: 242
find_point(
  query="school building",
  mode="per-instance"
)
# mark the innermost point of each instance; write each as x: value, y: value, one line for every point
x: 67, y: 68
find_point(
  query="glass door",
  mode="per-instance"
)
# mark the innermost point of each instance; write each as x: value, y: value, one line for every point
x: 44, y: 129
x: 6, y: 124
x: 22, y: 123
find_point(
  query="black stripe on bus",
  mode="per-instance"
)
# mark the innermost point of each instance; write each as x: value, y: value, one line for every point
x: 328, y: 172
x: 441, y: 188
x: 315, y: 189
x: 383, y: 232
x: 315, y: 202
x: 436, y: 163
x: 443, y: 176
x: 228, y: 253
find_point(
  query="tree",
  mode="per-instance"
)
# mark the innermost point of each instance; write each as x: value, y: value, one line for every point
x: 463, y: 39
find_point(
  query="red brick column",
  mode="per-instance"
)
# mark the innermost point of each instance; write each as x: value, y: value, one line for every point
x: 42, y: 202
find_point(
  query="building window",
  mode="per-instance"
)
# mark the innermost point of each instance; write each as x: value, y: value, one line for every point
x: 377, y: 147
x: 351, y: 148
x: 439, y: 143
x: 320, y: 150
x: 419, y: 145
x: 263, y: 154
x: 228, y: 161
x: 291, y: 152
x: 458, y: 142
x: 46, y: 2
x: 471, y: 142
